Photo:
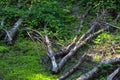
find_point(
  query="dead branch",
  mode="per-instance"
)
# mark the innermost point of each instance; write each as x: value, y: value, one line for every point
x: 79, y: 30
x: 91, y: 73
x: 78, y: 45
x: 93, y: 26
x: 113, y: 75
x: 11, y: 33
x: 3, y: 22
x: 72, y: 44
x: 51, y: 55
x: 73, y: 69
x: 88, y: 32
x: 111, y: 25
x: 116, y: 19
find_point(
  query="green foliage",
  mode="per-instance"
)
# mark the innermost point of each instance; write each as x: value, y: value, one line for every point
x: 102, y: 38
x: 4, y: 49
x: 107, y: 4
x: 37, y: 13
x: 97, y: 58
x: 116, y: 37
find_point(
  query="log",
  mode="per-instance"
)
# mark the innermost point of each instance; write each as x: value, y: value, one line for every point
x: 73, y: 69
x: 113, y: 75
x: 78, y: 45
x: 92, y: 72
x: 51, y: 55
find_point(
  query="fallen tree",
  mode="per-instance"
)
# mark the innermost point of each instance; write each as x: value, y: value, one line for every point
x: 73, y: 69
x: 96, y: 27
x: 92, y: 72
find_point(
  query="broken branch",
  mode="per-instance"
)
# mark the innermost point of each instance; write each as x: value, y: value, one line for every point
x: 73, y: 69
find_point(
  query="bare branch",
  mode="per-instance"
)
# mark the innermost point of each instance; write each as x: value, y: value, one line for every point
x: 51, y: 54
x: 3, y: 22
x: 116, y: 19
x: 72, y: 44
x: 73, y: 69
x: 110, y: 25
x: 78, y: 45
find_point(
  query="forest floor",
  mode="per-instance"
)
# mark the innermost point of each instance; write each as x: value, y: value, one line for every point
x: 24, y: 60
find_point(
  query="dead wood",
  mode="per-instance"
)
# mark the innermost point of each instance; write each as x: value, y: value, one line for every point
x: 110, y: 25
x: 73, y: 69
x: 10, y: 34
x: 92, y: 72
x: 75, y: 39
x: 77, y: 46
x: 113, y: 75
x: 51, y: 55
x: 79, y: 30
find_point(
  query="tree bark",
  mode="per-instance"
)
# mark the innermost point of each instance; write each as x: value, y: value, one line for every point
x: 51, y: 55
x: 92, y: 72
x: 78, y: 45
x: 73, y: 69
x: 11, y: 33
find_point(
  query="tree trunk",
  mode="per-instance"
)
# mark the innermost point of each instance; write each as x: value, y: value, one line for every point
x: 73, y: 69
x: 92, y: 72
x: 11, y: 33
x: 51, y: 55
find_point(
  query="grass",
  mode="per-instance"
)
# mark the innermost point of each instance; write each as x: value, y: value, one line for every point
x: 22, y: 62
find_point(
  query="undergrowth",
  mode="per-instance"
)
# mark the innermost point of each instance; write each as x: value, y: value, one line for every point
x: 22, y: 62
